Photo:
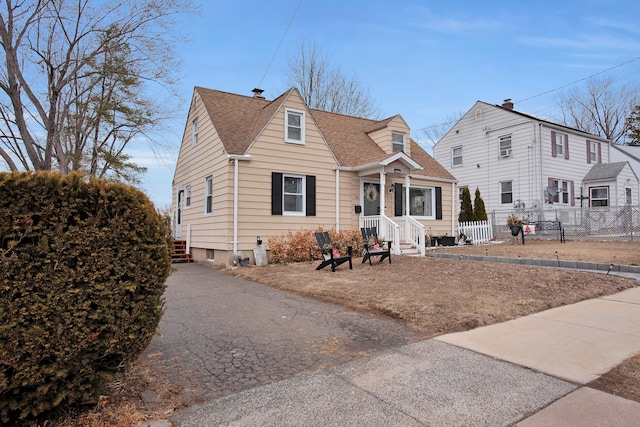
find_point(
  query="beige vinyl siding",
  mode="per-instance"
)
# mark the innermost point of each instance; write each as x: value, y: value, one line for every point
x: 383, y: 137
x: 270, y: 153
x: 194, y: 165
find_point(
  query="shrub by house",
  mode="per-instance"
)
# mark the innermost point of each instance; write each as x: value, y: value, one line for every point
x: 82, y: 272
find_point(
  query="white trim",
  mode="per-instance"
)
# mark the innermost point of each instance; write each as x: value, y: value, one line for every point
x: 303, y: 193
x: 453, y: 165
x: 194, y: 132
x: 207, y: 194
x: 302, y: 115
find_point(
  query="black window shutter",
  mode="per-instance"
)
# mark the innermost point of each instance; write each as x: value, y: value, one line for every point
x: 311, y: 195
x: 397, y: 199
x: 438, y: 202
x: 276, y: 193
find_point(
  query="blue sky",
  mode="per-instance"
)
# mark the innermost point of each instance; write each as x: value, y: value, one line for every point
x: 425, y: 60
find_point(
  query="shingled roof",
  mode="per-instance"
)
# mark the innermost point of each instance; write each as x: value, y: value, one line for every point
x: 605, y: 171
x: 239, y: 119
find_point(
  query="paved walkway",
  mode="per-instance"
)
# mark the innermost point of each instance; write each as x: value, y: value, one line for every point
x: 530, y: 372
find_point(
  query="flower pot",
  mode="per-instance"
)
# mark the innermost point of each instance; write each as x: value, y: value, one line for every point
x: 515, y: 230
x: 447, y: 241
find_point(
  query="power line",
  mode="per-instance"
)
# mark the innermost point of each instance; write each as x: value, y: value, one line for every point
x: 546, y: 93
x: 578, y: 81
x: 295, y: 12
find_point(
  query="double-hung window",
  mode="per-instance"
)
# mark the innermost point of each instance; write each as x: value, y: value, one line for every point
x: 593, y: 152
x: 599, y: 196
x: 294, y: 126
x: 561, y: 189
x: 208, y: 195
x: 506, y: 192
x: 187, y: 196
x: 505, y: 146
x: 456, y: 156
x: 398, y: 142
x: 559, y: 145
x: 194, y: 132
x: 293, y: 195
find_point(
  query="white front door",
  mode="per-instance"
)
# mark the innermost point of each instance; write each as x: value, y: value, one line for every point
x: 178, y: 235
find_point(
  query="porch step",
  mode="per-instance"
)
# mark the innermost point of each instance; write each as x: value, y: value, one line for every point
x: 180, y: 252
x: 408, y: 249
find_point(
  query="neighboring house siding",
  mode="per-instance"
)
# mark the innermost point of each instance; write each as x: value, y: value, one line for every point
x: 533, y: 161
x: 482, y: 167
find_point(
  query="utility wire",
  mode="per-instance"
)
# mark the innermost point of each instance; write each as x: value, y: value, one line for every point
x: 578, y: 81
x: 545, y: 93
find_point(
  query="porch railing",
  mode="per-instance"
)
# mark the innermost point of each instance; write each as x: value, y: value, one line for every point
x: 386, y: 228
x: 412, y: 232
x: 399, y: 229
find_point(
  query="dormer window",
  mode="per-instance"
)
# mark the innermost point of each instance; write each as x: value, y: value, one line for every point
x: 398, y: 142
x: 294, y: 126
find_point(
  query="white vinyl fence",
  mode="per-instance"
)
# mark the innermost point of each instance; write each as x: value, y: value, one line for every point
x: 476, y: 231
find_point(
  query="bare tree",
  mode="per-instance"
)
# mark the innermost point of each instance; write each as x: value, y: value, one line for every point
x: 434, y: 133
x: 326, y: 88
x: 600, y: 108
x: 76, y: 79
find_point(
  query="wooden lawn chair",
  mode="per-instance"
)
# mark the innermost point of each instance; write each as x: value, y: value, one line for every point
x: 370, y: 237
x: 328, y: 258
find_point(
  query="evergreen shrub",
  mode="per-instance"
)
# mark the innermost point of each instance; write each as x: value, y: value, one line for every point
x: 83, y: 266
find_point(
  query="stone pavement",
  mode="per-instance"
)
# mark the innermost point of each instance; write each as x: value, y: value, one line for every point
x: 529, y: 371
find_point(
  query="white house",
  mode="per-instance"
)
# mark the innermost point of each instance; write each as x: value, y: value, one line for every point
x: 631, y: 154
x: 521, y: 161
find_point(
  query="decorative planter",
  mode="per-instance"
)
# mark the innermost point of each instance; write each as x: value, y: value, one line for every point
x: 515, y: 230
x: 447, y: 241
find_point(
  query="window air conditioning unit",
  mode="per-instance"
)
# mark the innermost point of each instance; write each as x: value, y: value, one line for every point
x: 505, y: 153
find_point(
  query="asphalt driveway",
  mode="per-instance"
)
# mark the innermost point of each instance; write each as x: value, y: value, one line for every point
x: 220, y: 335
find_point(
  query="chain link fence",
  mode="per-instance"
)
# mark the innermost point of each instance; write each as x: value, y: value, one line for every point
x: 595, y: 223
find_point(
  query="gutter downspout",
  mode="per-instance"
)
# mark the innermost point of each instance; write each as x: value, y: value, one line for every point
x: 235, y: 206
x: 541, y: 186
x: 453, y: 208
x: 337, y: 199
x: 236, y: 166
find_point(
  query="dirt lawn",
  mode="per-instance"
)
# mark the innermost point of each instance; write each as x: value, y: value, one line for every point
x: 439, y: 296
x: 435, y: 296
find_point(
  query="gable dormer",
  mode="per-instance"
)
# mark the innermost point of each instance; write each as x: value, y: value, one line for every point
x: 391, y: 134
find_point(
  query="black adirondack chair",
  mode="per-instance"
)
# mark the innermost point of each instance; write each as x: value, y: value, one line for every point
x: 328, y: 258
x: 370, y: 237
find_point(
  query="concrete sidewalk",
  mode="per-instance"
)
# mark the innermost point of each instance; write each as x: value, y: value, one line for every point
x: 529, y: 372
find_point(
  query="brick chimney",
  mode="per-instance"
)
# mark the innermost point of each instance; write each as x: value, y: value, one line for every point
x: 257, y: 93
x: 507, y: 103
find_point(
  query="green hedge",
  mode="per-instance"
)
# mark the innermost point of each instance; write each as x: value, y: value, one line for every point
x: 82, y: 272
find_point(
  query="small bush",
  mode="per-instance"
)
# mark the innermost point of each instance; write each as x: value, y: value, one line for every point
x: 82, y: 273
x: 302, y: 246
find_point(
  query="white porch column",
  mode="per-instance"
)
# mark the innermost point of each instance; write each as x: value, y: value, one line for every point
x: 383, y: 191
x: 407, y: 183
